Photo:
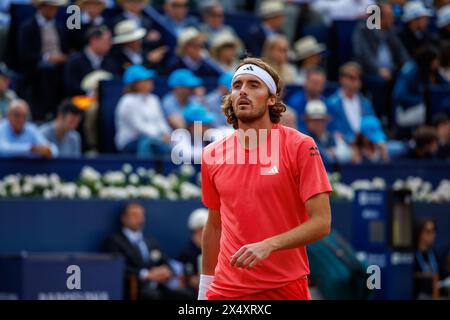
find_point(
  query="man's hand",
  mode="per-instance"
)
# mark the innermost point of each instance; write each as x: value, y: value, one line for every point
x: 156, y: 55
x: 57, y: 58
x: 159, y: 274
x: 251, y: 254
x: 42, y: 150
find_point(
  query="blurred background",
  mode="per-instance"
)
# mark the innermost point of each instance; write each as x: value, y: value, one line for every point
x: 91, y: 95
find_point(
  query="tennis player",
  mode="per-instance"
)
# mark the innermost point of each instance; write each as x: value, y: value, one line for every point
x: 261, y: 217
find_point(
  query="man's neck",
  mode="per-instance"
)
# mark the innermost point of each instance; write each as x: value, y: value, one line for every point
x: 262, y: 128
x: 348, y: 94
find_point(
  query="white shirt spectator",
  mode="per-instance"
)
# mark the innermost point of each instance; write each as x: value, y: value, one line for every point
x: 342, y: 9
x: 139, y: 115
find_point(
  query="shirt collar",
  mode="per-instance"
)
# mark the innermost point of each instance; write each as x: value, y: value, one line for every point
x: 42, y: 22
x: 95, y: 59
x: 133, y: 236
x: 86, y: 19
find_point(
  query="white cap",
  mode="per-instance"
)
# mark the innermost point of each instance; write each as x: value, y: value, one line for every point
x: 413, y: 10
x: 316, y: 109
x: 198, y: 219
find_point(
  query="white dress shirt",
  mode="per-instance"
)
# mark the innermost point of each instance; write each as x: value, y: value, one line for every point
x: 138, y: 115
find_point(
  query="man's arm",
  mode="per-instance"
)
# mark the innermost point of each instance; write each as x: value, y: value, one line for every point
x: 210, y: 251
x: 317, y: 227
x: 211, y: 242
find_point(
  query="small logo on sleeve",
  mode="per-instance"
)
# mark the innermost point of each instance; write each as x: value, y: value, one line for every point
x: 313, y: 151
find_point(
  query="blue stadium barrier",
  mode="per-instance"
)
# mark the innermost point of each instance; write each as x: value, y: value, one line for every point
x: 34, y: 225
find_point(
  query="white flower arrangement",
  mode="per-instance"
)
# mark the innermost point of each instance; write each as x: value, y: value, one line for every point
x: 184, y: 183
x: 124, y: 184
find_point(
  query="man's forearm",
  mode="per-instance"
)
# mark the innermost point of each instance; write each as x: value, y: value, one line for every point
x: 312, y: 230
x: 210, y: 248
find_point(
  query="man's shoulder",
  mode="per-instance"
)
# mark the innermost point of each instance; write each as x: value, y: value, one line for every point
x: 295, y: 137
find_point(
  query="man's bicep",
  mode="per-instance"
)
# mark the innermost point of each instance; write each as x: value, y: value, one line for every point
x: 319, y: 205
x: 214, y: 218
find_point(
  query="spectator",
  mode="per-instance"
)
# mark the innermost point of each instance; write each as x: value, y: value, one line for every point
x: 312, y: 90
x: 6, y: 95
x: 387, y: 48
x: 19, y: 138
x: 425, y: 145
x: 93, y: 57
x: 128, y: 48
x: 272, y: 16
x: 62, y: 131
x: 224, y: 51
x: 43, y: 49
x: 411, y: 88
x: 191, y: 254
x: 369, y: 144
x: 301, y: 15
x: 213, y: 100
x: 191, y: 55
x: 91, y: 16
x: 427, y: 261
x: 332, y: 10
x: 307, y: 55
x: 347, y: 106
x: 443, y: 23
x: 141, y: 126
x: 441, y: 123
x: 184, y: 87
x: 414, y: 33
x: 176, y: 16
x: 213, y: 21
x: 332, y: 148
x: 189, y: 146
x: 152, y: 41
x: 383, y: 44
x: 90, y: 84
x: 144, y: 259
x: 289, y: 118
x: 275, y: 53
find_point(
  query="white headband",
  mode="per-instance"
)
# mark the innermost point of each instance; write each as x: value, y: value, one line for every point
x: 258, y: 72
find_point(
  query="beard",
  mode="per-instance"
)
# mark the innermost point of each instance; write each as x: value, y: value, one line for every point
x: 250, y: 114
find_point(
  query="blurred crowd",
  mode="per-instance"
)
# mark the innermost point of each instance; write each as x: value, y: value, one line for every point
x: 373, y: 108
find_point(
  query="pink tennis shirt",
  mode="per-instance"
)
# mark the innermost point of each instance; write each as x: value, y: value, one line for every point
x: 256, y: 201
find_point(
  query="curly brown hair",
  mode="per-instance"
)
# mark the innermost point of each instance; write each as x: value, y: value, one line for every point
x: 274, y: 112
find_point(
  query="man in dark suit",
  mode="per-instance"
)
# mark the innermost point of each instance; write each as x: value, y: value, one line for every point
x: 272, y: 16
x: 93, y: 57
x: 43, y: 49
x: 91, y: 16
x: 143, y: 257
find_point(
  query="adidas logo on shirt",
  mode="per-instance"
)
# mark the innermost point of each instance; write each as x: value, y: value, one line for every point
x: 273, y: 170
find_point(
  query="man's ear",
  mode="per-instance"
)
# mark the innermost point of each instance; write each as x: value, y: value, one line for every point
x: 272, y: 100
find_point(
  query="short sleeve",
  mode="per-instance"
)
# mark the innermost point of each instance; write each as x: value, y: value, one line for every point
x: 313, y: 178
x: 210, y: 195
